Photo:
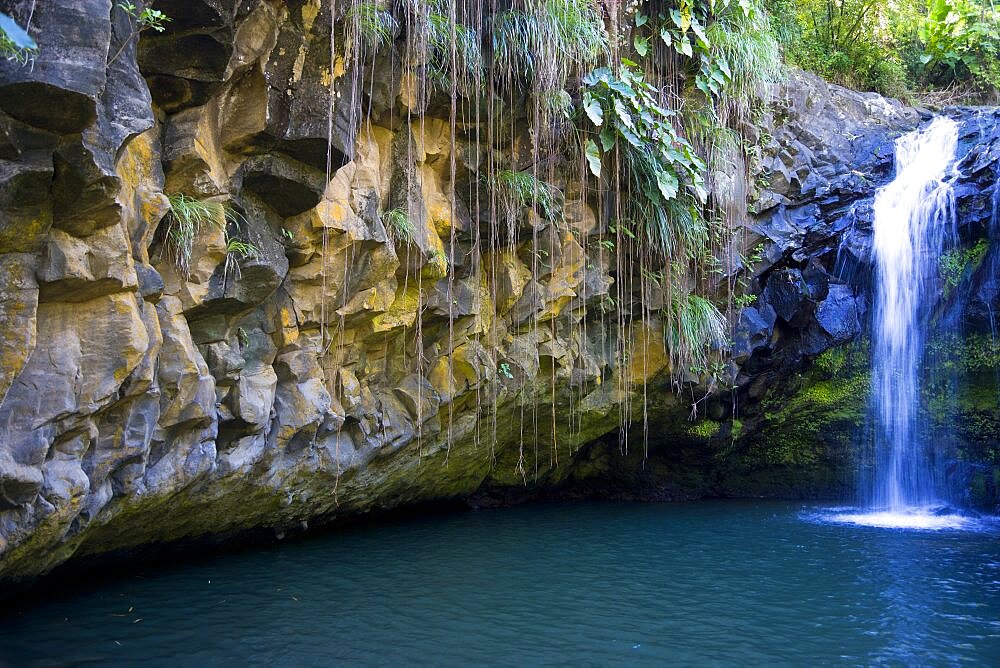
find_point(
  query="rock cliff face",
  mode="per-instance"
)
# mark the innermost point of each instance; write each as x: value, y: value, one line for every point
x: 346, y: 366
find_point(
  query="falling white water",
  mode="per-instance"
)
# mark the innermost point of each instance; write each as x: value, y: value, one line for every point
x: 913, y: 216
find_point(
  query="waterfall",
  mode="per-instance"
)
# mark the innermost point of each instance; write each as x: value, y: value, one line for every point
x: 914, y: 216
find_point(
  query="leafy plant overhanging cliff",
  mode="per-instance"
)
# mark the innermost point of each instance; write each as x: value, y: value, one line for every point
x: 287, y: 261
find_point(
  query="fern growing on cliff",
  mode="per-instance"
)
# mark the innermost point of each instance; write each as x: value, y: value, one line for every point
x: 541, y: 43
x: 397, y: 225
x: 694, y: 326
x: 432, y: 33
x: 369, y: 27
x: 516, y: 190
x: 186, y: 220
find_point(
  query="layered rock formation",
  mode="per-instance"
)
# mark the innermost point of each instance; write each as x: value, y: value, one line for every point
x: 347, y: 366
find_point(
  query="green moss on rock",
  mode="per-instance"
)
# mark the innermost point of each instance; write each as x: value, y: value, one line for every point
x: 705, y: 428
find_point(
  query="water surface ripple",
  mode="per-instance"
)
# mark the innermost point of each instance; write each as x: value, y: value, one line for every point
x: 567, y: 584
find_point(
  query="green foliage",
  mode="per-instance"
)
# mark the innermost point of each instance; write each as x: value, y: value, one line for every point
x: 369, y: 27
x: 397, y: 224
x: 807, y: 415
x: 237, y: 250
x: 542, y: 43
x: 186, y: 220
x: 955, y: 264
x: 969, y: 353
x: 146, y: 18
x: 513, y: 34
x: 660, y: 168
x: 743, y: 55
x: 241, y: 248
x: 517, y: 190
x: 961, y: 40
x: 847, y: 41
x: 895, y: 47
x: 556, y: 103
x: 694, y: 325
x: 729, y: 46
x: 431, y: 36
x: 141, y: 20
x: 15, y: 42
x: 705, y: 428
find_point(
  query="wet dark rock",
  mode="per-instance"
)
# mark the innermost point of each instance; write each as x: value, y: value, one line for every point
x: 753, y: 332
x: 150, y: 282
x: 287, y: 186
x: 838, y: 314
x: 60, y: 91
x: 786, y: 292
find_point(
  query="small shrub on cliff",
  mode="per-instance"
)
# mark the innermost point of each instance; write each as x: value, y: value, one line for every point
x: 140, y: 20
x: 662, y: 169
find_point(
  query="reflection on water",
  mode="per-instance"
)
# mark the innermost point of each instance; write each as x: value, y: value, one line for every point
x: 700, y: 583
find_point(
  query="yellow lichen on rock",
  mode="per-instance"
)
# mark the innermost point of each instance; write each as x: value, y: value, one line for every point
x: 648, y: 354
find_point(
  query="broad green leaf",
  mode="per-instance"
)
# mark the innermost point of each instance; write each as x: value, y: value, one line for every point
x: 593, y: 108
x: 622, y: 112
x: 631, y: 137
x: 686, y: 17
x: 608, y: 138
x: 600, y: 74
x: 700, y: 193
x: 622, y: 88
x: 593, y: 158
x: 641, y: 20
x: 684, y: 46
x: 724, y: 66
x: 641, y: 45
x: 667, y: 184
x: 700, y: 32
